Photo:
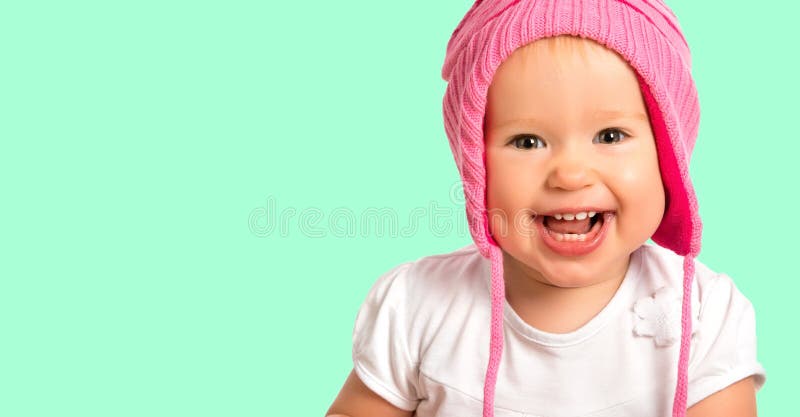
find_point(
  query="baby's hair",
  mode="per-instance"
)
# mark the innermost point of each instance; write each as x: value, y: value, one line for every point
x: 561, y: 46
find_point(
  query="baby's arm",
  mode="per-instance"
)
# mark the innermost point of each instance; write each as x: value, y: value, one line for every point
x: 381, y: 353
x: 357, y: 400
x: 737, y: 400
x: 724, y: 372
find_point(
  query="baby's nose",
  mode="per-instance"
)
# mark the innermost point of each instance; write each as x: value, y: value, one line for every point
x: 570, y: 173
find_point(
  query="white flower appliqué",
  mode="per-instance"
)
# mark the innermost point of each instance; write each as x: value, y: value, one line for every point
x: 659, y: 316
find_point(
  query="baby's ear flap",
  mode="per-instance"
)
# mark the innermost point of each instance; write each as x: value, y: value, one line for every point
x: 680, y: 226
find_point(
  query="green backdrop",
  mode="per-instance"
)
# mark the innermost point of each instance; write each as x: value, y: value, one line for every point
x: 170, y: 169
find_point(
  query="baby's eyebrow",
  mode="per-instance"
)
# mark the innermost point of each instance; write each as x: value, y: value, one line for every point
x: 616, y: 114
x: 598, y: 114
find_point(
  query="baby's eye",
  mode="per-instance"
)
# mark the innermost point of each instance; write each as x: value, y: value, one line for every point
x: 610, y: 136
x: 527, y: 142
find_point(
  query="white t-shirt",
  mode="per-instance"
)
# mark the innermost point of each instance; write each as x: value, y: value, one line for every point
x: 421, y: 341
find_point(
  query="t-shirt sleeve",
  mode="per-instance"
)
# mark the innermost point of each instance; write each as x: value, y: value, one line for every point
x: 725, y: 351
x: 381, y: 354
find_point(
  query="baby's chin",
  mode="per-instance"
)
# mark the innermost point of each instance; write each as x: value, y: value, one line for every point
x: 565, y: 273
x: 572, y: 282
x: 569, y: 278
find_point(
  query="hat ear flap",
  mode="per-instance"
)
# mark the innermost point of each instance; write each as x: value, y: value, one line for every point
x: 677, y: 226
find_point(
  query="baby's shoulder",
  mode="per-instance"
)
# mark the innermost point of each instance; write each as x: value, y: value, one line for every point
x: 445, y: 274
x: 662, y: 267
x: 433, y: 296
x: 430, y: 286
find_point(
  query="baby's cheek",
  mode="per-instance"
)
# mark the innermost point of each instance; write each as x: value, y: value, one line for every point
x: 646, y: 203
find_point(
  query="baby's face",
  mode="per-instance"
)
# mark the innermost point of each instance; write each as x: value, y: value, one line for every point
x: 563, y: 133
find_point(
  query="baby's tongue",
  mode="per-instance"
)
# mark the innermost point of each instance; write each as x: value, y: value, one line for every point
x: 567, y: 226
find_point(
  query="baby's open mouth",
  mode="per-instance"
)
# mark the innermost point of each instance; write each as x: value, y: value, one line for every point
x: 575, y: 226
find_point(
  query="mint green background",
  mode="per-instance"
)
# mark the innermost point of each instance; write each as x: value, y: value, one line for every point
x: 142, y: 141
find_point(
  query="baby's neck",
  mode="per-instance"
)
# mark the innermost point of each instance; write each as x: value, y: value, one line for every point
x: 558, y: 309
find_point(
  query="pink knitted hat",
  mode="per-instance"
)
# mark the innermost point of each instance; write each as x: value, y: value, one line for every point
x: 647, y: 35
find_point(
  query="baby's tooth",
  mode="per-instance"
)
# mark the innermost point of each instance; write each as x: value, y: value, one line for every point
x: 568, y: 216
x: 569, y: 237
x: 581, y: 215
x: 592, y: 213
x: 557, y: 216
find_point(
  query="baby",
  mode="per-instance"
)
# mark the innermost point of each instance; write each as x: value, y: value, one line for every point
x: 572, y: 125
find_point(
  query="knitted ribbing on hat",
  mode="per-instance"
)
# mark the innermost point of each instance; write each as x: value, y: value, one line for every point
x: 647, y: 35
